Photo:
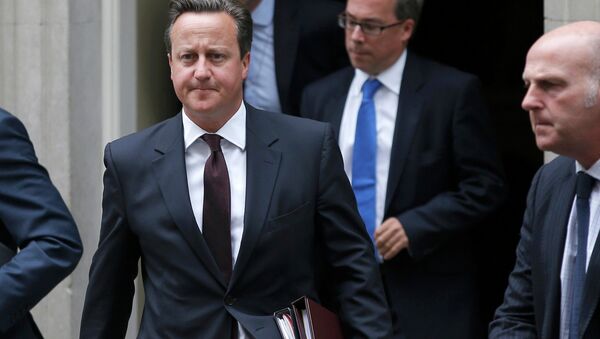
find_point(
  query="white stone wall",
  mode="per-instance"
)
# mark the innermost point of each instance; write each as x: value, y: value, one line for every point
x: 560, y: 12
x: 50, y: 78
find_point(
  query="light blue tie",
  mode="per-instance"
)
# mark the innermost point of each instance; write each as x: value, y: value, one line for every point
x: 364, y: 156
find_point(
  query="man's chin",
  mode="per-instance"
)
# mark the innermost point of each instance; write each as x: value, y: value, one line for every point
x: 545, y: 144
x: 199, y: 108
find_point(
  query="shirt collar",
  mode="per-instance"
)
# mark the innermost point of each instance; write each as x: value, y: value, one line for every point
x: 391, y: 78
x: 593, y: 171
x: 263, y: 13
x: 233, y: 131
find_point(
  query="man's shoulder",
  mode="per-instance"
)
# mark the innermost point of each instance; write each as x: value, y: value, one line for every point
x: 559, y: 167
x: 4, y: 114
x: 436, y: 71
x: 11, y: 127
x: 285, y: 127
x: 337, y: 80
x: 149, y: 137
x: 550, y: 176
x: 276, y: 121
x: 7, y: 119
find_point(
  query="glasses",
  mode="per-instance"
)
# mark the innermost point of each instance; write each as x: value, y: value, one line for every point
x: 367, y: 28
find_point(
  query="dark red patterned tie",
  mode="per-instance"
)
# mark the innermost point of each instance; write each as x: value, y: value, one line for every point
x: 217, y: 206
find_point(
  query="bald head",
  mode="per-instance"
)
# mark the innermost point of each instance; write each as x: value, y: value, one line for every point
x: 578, y: 42
x: 562, y: 73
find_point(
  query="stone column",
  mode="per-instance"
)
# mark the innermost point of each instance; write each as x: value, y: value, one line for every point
x: 85, y: 123
x: 560, y: 12
x: 50, y: 77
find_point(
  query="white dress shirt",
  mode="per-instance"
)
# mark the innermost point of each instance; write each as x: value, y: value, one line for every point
x: 386, y: 108
x: 260, y: 88
x: 570, y: 250
x: 197, y: 152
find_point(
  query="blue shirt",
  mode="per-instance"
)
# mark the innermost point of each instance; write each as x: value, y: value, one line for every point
x: 260, y: 88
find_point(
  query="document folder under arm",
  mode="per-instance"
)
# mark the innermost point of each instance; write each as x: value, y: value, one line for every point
x: 315, y: 321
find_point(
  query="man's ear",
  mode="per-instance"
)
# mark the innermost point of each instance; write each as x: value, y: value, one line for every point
x: 245, y: 65
x: 408, y: 28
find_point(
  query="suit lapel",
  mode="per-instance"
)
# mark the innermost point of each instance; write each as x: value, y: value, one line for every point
x: 169, y: 169
x: 410, y: 104
x: 333, y: 107
x: 261, y: 175
x: 555, y: 230
x: 286, y: 33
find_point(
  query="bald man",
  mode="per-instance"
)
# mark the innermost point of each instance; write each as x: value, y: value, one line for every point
x: 554, y: 289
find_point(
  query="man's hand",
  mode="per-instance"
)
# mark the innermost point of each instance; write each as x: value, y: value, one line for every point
x: 390, y: 238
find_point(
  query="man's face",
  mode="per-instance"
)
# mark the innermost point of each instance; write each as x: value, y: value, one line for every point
x: 206, y: 68
x: 374, y: 54
x: 562, y: 95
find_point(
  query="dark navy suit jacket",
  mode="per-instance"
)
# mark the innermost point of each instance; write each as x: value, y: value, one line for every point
x: 531, y: 307
x: 299, y: 210
x: 444, y: 179
x: 308, y: 45
x: 34, y: 219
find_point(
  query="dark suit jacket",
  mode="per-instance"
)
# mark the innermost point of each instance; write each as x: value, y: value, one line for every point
x: 531, y: 307
x: 298, y: 203
x: 444, y: 180
x: 308, y: 45
x: 34, y: 219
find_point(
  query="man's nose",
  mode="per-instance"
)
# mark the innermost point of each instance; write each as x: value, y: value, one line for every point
x: 202, y: 69
x: 531, y: 99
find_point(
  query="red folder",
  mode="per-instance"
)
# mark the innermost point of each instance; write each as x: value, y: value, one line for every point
x: 315, y: 321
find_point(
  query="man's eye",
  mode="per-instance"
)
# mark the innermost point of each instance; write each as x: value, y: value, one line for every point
x: 546, y: 85
x: 217, y: 57
x: 369, y: 27
x: 186, y: 57
x: 351, y: 23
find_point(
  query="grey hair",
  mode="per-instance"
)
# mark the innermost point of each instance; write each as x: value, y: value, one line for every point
x: 408, y: 9
x: 239, y: 13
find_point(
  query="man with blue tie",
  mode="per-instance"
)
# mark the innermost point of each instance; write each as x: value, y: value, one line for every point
x: 553, y: 291
x: 418, y: 147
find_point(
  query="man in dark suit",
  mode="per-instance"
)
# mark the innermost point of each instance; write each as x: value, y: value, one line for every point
x: 35, y: 220
x: 553, y: 291
x: 435, y: 172
x: 295, y: 43
x: 226, y: 205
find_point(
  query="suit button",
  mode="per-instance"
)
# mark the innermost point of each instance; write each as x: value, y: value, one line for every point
x: 229, y: 300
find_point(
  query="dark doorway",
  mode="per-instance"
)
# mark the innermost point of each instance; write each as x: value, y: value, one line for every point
x: 491, y: 39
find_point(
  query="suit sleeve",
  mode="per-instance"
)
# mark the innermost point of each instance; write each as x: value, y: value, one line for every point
x: 38, y: 223
x: 354, y: 276
x: 515, y: 318
x: 480, y: 187
x: 114, y: 267
x: 307, y: 102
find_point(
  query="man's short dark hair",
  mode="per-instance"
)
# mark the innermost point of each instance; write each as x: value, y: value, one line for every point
x: 239, y: 13
x: 408, y: 9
